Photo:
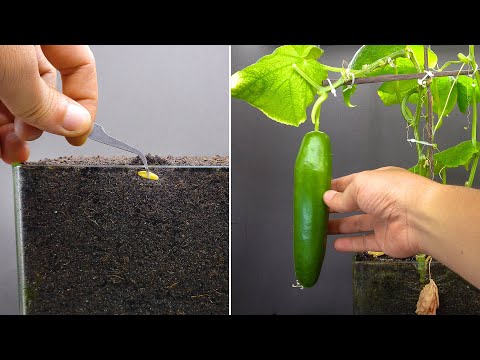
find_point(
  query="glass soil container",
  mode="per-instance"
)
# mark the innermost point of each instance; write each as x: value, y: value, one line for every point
x: 99, y: 239
x: 387, y: 286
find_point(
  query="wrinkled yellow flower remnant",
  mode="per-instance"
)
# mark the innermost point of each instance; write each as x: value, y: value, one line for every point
x: 428, y: 301
x: 375, y: 253
x: 144, y: 174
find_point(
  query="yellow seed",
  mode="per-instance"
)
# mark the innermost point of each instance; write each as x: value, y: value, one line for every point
x: 144, y: 174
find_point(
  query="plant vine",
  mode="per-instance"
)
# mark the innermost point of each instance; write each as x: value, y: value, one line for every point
x: 283, y: 84
x: 295, y: 67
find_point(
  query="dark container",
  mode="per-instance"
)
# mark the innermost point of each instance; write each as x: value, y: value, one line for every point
x: 391, y: 286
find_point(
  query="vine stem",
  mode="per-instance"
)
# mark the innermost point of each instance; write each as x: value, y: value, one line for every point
x: 473, y: 170
x: 429, y: 115
x: 474, y: 116
x: 387, y: 78
x: 420, y: 258
x: 416, y: 122
x: 357, y: 73
x: 444, y: 176
x: 472, y: 57
x: 379, y: 63
x: 475, y: 82
x: 325, y: 86
x: 448, y: 63
x: 413, y: 121
x: 315, y: 115
x: 332, y: 68
x: 397, y: 84
x: 418, y: 110
x: 412, y: 58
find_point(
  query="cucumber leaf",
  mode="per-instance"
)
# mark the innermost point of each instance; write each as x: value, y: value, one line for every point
x: 273, y: 86
x: 415, y: 169
x: 368, y: 54
x: 392, y: 92
x: 458, y: 155
x: 419, y: 169
x: 465, y: 92
x: 440, y: 88
x: 418, y: 53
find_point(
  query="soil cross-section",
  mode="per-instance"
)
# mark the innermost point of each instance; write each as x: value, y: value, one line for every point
x: 96, y: 238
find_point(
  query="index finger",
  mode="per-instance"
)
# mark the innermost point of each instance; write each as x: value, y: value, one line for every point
x: 341, y: 183
x: 76, y: 65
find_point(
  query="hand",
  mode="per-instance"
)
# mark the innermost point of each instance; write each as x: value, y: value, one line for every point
x: 386, y: 196
x: 30, y: 103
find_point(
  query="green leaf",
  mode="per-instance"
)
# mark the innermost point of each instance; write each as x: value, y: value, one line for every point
x: 368, y: 54
x: 392, y: 92
x: 419, y: 169
x: 273, y: 86
x: 414, y: 169
x: 303, y: 51
x: 440, y: 89
x: 347, y: 93
x: 418, y: 53
x: 465, y: 92
x: 458, y: 155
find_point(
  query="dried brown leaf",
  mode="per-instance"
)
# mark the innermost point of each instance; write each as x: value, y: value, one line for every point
x: 428, y: 301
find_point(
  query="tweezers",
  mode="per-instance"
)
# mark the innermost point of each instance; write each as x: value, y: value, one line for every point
x: 99, y: 134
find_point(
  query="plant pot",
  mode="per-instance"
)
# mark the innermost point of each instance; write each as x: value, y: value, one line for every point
x: 391, y: 286
x: 99, y: 239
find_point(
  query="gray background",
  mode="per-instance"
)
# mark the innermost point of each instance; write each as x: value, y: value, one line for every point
x: 164, y: 100
x: 263, y: 154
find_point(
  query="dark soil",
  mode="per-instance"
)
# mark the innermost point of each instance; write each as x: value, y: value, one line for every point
x: 125, y: 160
x: 102, y: 240
x: 385, y: 285
x: 365, y: 256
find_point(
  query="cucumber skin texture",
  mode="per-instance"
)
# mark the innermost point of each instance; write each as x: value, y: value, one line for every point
x: 312, y: 177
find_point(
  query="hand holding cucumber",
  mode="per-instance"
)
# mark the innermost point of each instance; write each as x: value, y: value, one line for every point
x: 406, y: 214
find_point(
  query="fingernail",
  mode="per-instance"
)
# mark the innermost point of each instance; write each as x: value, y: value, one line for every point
x: 329, y: 194
x: 76, y: 118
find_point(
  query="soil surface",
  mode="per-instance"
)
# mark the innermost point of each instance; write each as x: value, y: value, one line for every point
x: 365, y: 256
x: 125, y: 160
x: 103, y: 240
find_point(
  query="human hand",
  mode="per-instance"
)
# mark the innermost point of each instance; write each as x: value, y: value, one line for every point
x: 388, y: 198
x: 30, y: 103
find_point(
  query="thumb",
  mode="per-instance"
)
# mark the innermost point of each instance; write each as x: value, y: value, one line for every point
x: 340, y: 201
x: 28, y: 97
x: 47, y: 109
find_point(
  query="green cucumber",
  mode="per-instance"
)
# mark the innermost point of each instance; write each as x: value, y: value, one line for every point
x: 312, y: 177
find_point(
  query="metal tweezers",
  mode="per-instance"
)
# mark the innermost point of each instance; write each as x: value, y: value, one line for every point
x: 99, y: 134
